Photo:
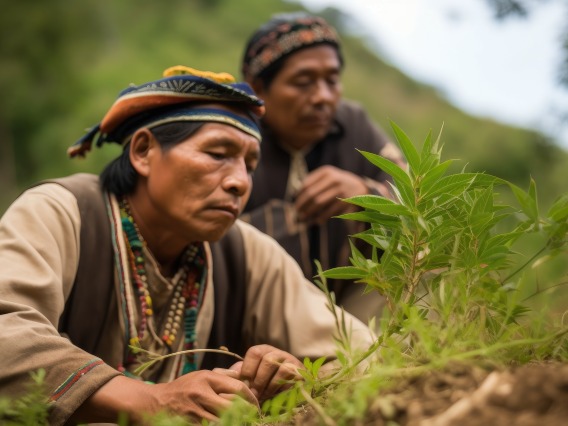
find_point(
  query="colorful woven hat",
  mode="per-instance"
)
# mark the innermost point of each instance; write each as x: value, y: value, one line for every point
x: 282, y: 35
x: 176, y: 97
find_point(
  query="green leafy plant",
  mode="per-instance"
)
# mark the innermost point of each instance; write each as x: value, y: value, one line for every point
x: 447, y: 272
x: 449, y: 258
x: 31, y: 409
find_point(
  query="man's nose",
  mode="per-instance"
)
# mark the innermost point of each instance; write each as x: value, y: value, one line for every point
x: 324, y: 92
x: 238, y: 180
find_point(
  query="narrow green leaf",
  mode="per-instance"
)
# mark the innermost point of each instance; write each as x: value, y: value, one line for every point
x: 398, y: 174
x: 504, y: 238
x: 379, y: 204
x: 461, y: 183
x: 559, y: 209
x: 373, y: 240
x: 345, y: 273
x: 404, y: 193
x: 427, y: 148
x: 527, y: 201
x: 407, y: 147
x: 371, y: 217
x: 292, y: 400
x: 317, y: 365
x: 532, y: 194
x: 433, y: 175
x: 403, y: 185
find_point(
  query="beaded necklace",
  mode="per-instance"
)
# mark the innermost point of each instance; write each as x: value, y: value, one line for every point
x: 187, y: 291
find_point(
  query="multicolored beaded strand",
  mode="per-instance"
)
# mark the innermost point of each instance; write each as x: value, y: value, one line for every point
x: 187, y: 291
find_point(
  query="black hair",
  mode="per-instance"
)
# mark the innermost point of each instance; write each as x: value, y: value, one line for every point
x: 119, y: 177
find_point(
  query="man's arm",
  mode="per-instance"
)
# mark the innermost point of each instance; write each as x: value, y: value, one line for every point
x: 197, y: 395
x: 39, y: 237
x: 286, y: 310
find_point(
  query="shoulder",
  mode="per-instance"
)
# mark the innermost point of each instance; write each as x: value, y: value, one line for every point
x: 54, y: 200
x: 78, y: 184
x: 359, y: 128
x: 254, y: 237
x: 47, y: 193
x: 44, y: 214
x: 261, y: 250
x: 348, y: 109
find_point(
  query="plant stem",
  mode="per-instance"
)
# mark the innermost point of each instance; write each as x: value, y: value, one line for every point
x: 524, y: 265
x: 328, y: 421
x: 190, y: 351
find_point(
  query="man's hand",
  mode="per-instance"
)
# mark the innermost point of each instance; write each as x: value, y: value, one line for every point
x: 318, y: 199
x: 268, y: 370
x: 198, y: 395
x: 202, y: 394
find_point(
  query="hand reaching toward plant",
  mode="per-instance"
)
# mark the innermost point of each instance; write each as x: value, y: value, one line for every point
x: 267, y: 370
x: 198, y: 395
x: 202, y: 394
x: 264, y: 371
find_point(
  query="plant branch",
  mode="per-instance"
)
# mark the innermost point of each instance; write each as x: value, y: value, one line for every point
x: 524, y: 265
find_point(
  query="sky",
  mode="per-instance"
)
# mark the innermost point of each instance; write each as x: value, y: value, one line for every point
x: 505, y: 70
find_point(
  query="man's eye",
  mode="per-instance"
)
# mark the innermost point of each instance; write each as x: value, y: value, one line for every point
x: 334, y: 81
x: 251, y: 168
x: 302, y: 83
x: 217, y: 155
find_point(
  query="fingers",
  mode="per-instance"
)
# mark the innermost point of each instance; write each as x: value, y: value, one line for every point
x: 203, y: 394
x: 230, y: 385
x: 237, y: 366
x: 281, y: 378
x: 319, y: 198
x: 321, y: 207
x: 268, y: 370
x: 227, y: 372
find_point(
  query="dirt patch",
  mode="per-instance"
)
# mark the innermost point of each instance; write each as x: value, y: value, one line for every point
x: 532, y: 394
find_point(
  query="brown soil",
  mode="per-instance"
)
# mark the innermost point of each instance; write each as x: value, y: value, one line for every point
x: 533, y: 394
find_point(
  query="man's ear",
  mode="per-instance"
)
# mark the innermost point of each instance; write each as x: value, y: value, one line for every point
x: 143, y: 146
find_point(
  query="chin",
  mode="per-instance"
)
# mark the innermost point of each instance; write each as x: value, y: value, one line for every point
x: 315, y: 140
x: 217, y: 234
x: 317, y: 134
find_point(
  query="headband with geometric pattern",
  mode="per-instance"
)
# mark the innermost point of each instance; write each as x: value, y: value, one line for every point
x: 176, y: 97
x: 281, y: 36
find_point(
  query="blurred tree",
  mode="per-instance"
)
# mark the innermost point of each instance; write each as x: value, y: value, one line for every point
x: 505, y: 8
x: 63, y: 63
x: 521, y: 8
x: 38, y: 74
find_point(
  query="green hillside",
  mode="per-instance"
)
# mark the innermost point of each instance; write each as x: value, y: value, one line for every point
x: 64, y: 63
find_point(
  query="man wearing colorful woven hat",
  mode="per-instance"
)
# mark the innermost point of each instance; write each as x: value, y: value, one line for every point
x: 100, y: 274
x: 309, y: 159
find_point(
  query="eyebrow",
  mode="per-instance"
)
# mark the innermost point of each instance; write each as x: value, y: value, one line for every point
x: 230, y: 143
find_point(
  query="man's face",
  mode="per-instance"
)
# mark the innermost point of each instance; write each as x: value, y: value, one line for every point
x: 302, y: 98
x: 198, y: 187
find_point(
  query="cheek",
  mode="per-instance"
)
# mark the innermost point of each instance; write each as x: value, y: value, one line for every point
x: 284, y: 112
x: 173, y: 184
x: 246, y: 196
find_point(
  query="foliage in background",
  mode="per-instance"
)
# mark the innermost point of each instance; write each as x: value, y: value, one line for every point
x: 64, y: 64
